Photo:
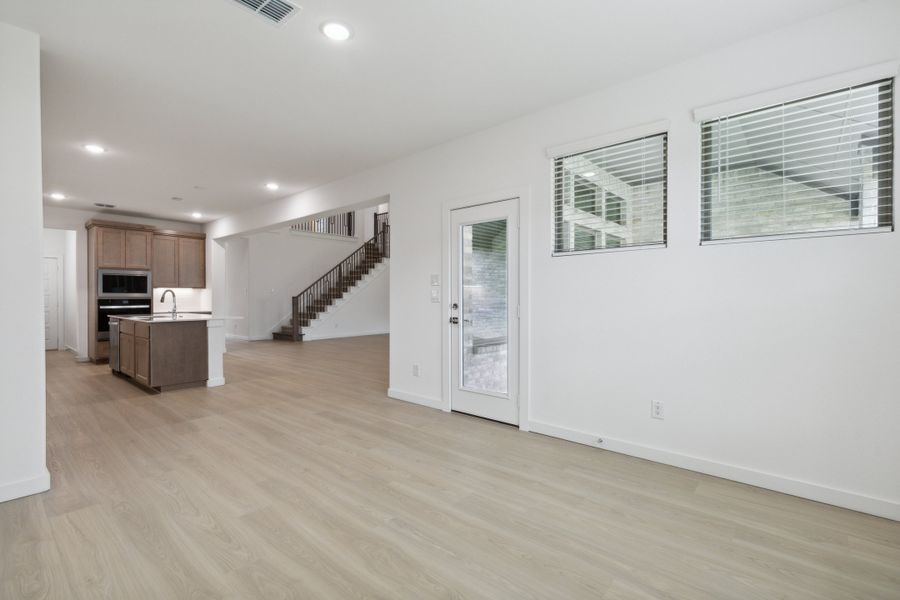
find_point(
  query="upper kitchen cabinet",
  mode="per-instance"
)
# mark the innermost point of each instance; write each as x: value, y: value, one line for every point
x: 165, y: 261
x: 191, y: 262
x: 138, y: 249
x: 110, y: 248
x: 179, y: 260
x: 121, y: 245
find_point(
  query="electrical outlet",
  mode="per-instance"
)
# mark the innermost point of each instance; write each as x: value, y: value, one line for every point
x: 415, y: 370
x: 436, y: 295
x: 656, y: 409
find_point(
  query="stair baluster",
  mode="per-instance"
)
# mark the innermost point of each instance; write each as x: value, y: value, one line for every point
x: 332, y: 286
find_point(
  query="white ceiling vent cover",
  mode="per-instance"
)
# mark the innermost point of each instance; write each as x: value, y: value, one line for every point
x: 276, y: 11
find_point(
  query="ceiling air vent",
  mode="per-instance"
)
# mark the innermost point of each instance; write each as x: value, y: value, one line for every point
x: 276, y: 11
x: 104, y: 205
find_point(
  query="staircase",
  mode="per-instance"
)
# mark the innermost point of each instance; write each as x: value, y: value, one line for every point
x: 333, y: 285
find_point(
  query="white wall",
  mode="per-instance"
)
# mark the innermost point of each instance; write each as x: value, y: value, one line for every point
x: 281, y: 265
x: 237, y: 290
x: 187, y: 299
x: 776, y: 360
x: 59, y: 217
x: 364, y: 311
x: 23, y: 465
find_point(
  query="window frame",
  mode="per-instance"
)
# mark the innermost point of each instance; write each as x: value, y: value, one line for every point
x: 706, y: 116
x: 556, y: 154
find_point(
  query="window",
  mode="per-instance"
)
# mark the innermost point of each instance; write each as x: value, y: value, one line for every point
x: 585, y: 238
x: 815, y: 165
x: 611, y: 197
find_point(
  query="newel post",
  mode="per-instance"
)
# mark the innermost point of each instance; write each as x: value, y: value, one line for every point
x: 295, y: 317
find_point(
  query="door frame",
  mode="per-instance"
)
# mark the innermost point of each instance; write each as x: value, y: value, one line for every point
x: 60, y: 300
x: 523, y: 196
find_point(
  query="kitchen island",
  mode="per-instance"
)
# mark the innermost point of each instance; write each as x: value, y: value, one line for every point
x: 164, y: 352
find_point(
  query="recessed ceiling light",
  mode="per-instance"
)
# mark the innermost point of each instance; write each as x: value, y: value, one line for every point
x: 588, y: 174
x: 196, y: 215
x: 58, y: 196
x: 94, y: 148
x: 272, y: 186
x: 336, y: 31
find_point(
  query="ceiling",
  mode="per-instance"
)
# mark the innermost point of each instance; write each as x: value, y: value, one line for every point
x: 205, y: 101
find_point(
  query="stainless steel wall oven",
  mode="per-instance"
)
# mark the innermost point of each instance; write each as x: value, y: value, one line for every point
x: 107, y: 307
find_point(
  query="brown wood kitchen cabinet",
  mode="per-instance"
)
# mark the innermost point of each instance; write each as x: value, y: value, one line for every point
x: 179, y: 260
x: 138, y: 250
x: 123, y: 248
x: 165, y: 261
x: 163, y: 354
x: 110, y: 248
x: 191, y: 262
x: 126, y: 353
x: 142, y: 353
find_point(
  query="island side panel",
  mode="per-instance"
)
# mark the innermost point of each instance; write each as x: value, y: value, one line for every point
x: 178, y: 353
x: 215, y: 331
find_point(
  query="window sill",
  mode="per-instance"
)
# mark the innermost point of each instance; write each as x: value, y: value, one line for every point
x: 797, y: 236
x: 661, y: 246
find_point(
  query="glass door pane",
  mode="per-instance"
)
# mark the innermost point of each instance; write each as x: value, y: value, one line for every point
x: 484, y: 324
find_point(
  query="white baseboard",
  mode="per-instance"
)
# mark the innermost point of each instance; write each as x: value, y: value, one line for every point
x: 25, y: 487
x: 881, y: 507
x: 215, y: 382
x: 78, y: 357
x: 342, y: 334
x: 234, y: 336
x: 415, y: 398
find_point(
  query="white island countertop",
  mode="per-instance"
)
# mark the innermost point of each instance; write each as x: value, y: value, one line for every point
x: 167, y: 317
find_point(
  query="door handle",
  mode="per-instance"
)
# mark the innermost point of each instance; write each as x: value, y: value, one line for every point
x: 454, y: 320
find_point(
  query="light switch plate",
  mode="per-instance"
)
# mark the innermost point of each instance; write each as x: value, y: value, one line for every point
x: 435, y: 280
x: 435, y: 294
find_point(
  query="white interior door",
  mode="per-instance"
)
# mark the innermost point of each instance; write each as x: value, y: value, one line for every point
x: 51, y: 304
x: 484, y: 322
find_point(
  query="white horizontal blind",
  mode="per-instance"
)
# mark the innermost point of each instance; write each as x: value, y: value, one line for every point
x: 814, y: 165
x: 611, y: 197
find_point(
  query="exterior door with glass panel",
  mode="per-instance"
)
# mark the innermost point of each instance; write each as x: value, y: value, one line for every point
x: 484, y: 305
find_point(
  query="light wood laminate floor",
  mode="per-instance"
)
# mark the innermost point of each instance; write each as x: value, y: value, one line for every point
x: 301, y: 479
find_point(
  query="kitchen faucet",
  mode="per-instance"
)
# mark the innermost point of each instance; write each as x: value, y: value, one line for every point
x: 174, y: 305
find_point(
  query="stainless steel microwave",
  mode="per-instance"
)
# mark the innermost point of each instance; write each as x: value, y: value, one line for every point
x: 118, y: 283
